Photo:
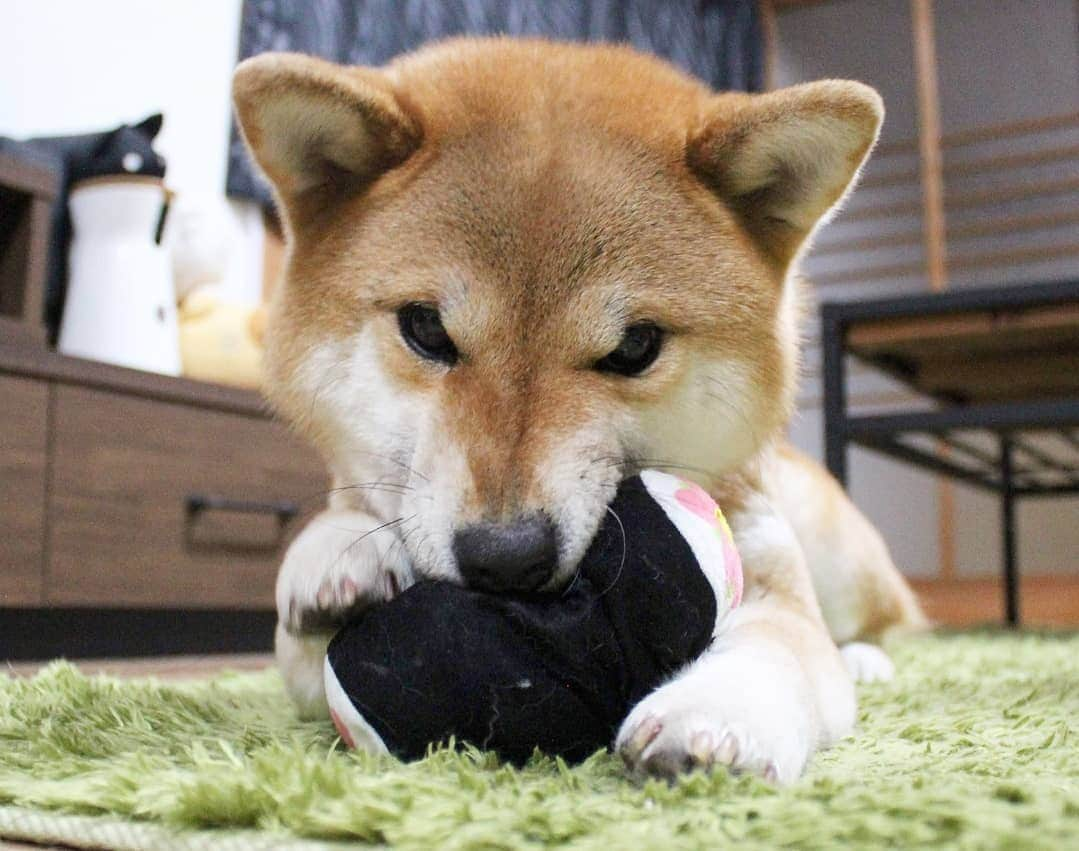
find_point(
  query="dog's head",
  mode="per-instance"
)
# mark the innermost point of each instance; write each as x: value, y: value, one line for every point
x: 518, y: 270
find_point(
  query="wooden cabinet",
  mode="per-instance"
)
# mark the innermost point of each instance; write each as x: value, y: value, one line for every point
x: 123, y: 490
x: 23, y: 404
x: 144, y: 499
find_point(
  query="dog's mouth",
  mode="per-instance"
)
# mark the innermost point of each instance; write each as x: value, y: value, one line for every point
x: 534, y: 548
x: 493, y: 559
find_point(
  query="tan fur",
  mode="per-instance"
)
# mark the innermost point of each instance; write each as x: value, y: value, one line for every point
x: 880, y: 602
x: 545, y: 196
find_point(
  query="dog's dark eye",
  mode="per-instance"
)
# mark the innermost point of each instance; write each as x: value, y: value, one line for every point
x: 636, y: 352
x: 421, y: 326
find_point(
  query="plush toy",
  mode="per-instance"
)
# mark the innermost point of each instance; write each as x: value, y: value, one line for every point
x: 513, y: 674
x: 221, y: 338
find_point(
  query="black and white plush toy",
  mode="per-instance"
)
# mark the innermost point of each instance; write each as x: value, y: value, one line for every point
x: 513, y: 674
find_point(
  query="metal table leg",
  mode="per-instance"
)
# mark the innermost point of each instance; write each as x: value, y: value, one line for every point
x: 835, y: 397
x: 1007, y: 505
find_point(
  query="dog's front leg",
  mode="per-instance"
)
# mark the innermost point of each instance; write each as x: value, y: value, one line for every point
x: 340, y: 563
x: 770, y: 690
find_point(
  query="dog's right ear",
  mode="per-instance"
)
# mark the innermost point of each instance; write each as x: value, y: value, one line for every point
x: 318, y: 129
x: 785, y: 159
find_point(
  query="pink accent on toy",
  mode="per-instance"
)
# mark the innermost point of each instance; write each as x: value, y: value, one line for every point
x: 342, y: 730
x: 697, y: 500
x: 694, y: 498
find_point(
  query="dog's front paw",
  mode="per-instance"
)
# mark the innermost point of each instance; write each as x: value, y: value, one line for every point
x: 867, y: 663
x: 735, y: 716
x: 338, y: 565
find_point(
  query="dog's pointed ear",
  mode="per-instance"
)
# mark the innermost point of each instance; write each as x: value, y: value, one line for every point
x: 783, y: 160
x: 315, y: 127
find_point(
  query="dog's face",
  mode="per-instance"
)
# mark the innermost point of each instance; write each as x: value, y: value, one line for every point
x: 518, y: 271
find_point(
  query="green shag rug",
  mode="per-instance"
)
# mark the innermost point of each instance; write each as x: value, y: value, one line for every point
x: 974, y: 745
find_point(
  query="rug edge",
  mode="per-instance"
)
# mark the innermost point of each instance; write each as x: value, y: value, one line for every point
x: 29, y: 824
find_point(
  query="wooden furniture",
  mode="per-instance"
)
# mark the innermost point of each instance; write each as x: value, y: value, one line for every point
x: 1001, y: 368
x: 126, y: 490
x: 27, y: 193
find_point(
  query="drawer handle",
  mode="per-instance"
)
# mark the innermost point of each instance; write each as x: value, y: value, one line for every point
x: 197, y: 503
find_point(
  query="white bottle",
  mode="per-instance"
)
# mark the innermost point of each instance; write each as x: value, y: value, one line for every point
x: 120, y: 307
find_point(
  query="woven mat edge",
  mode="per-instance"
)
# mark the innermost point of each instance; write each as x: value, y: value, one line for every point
x: 117, y: 834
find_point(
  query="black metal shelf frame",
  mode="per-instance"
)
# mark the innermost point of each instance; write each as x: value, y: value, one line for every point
x: 1019, y: 468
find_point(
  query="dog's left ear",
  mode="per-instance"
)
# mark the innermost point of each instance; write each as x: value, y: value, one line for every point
x: 785, y: 159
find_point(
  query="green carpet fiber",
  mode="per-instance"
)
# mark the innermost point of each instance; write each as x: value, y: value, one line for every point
x: 974, y: 745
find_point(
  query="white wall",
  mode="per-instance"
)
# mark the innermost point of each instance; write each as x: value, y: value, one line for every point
x: 859, y: 40
x: 1005, y: 60
x: 75, y: 66
x: 999, y: 61
x: 71, y: 66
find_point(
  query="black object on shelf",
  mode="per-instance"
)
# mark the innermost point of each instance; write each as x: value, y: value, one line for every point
x: 29, y: 186
x: 124, y: 150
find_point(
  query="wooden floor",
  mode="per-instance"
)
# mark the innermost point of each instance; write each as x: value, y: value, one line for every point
x: 1043, y: 600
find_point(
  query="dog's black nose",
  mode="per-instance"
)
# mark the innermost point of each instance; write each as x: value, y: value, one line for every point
x: 516, y: 556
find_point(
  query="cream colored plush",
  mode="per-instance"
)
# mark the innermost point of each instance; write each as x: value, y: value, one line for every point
x: 220, y: 341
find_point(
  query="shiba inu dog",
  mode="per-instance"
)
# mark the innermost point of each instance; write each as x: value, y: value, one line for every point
x: 519, y: 271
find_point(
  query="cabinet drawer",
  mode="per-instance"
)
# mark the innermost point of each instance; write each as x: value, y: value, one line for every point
x: 165, y: 505
x: 23, y: 405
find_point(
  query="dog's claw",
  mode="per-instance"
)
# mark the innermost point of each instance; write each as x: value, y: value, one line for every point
x: 727, y: 751
x: 702, y: 748
x: 678, y: 729
x: 642, y: 737
x: 337, y: 599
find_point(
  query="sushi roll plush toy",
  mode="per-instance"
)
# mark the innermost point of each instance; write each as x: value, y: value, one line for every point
x: 557, y: 673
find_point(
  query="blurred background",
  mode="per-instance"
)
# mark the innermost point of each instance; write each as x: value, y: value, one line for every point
x: 145, y: 497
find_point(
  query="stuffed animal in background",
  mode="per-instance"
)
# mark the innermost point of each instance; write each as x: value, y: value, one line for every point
x: 560, y: 672
x: 220, y: 340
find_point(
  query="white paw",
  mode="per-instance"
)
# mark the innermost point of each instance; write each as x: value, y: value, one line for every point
x: 867, y: 663
x: 741, y: 713
x: 336, y: 566
x: 300, y: 659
